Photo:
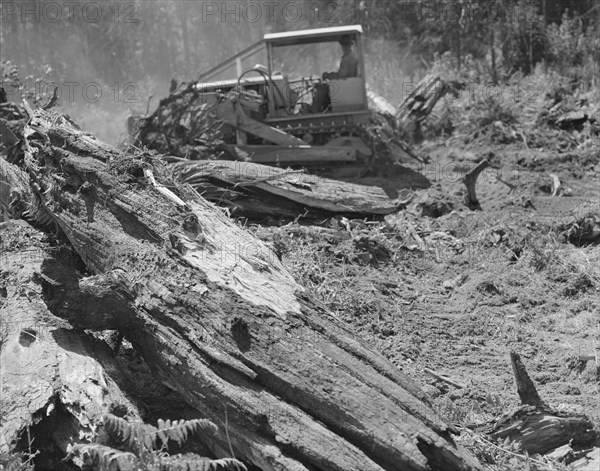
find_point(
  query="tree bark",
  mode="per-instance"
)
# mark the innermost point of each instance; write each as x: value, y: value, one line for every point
x: 220, y: 320
x: 54, y: 379
x: 182, y: 11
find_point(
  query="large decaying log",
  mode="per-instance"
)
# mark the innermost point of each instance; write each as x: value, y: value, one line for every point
x: 258, y: 190
x: 220, y: 320
x: 51, y: 376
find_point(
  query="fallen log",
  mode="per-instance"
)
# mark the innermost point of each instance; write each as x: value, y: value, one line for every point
x: 256, y: 190
x: 219, y: 319
x: 56, y: 382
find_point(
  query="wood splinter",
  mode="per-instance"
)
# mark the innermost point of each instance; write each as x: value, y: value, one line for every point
x: 525, y: 387
x: 470, y: 179
x: 445, y: 379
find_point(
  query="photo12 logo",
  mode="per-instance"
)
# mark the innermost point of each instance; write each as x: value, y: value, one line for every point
x: 72, y: 91
x: 69, y: 12
x: 269, y: 11
x: 462, y: 12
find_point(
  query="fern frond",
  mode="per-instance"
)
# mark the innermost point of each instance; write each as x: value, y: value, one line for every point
x: 139, y: 435
x: 135, y: 434
x: 105, y: 458
x: 227, y: 464
x: 192, y: 462
x: 118, y: 428
x: 178, y: 431
x: 147, y: 440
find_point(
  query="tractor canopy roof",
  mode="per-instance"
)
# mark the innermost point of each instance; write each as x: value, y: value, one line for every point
x: 257, y: 52
x: 309, y: 36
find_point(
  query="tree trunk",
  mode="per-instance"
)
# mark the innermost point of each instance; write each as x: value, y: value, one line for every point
x: 220, y: 320
x: 183, y: 14
x: 544, y: 12
x: 493, y: 55
x: 458, y: 48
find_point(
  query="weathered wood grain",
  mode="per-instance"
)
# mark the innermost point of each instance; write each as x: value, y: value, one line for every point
x: 48, y: 371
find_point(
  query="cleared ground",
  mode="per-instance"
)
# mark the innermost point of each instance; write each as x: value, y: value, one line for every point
x: 443, y: 287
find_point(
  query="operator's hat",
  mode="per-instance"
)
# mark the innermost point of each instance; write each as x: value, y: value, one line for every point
x: 346, y: 40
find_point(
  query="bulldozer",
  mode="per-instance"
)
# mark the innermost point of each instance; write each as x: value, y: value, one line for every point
x: 273, y: 104
x: 280, y: 109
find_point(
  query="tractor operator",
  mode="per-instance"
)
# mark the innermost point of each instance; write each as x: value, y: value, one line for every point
x: 348, y: 69
x: 348, y: 64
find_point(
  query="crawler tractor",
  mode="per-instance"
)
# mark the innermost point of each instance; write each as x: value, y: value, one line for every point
x: 273, y: 104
